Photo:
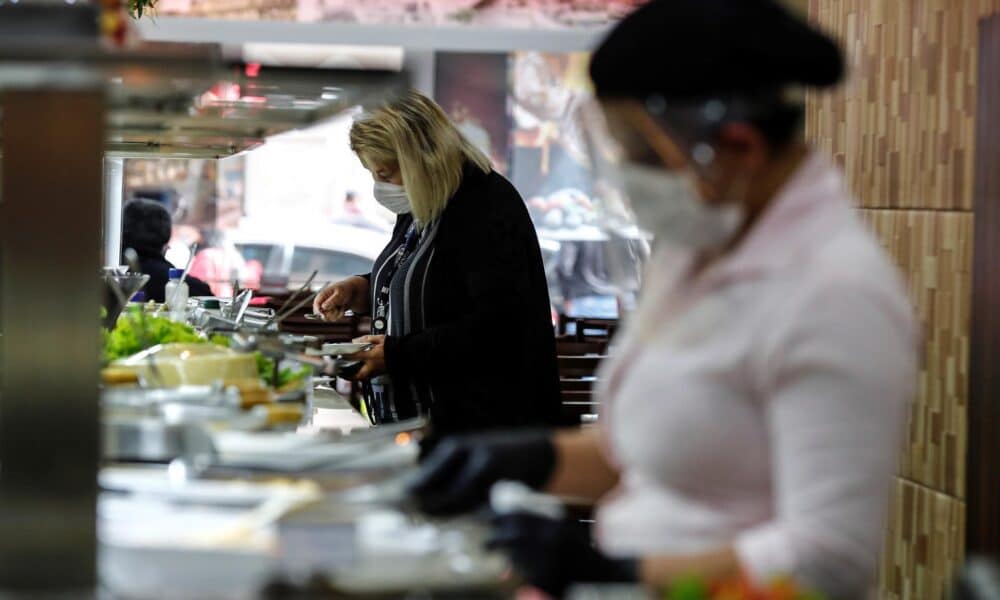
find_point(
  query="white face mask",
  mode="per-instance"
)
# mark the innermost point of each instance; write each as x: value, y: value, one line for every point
x: 667, y: 205
x: 392, y: 196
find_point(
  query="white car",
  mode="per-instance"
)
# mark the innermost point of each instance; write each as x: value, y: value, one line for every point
x: 289, y: 257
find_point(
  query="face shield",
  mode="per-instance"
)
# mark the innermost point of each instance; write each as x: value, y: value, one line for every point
x: 620, y: 249
x: 647, y: 191
x: 640, y: 161
x: 657, y: 178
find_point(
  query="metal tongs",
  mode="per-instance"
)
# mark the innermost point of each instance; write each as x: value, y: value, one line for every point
x: 238, y: 309
x: 284, y: 312
x: 233, y: 319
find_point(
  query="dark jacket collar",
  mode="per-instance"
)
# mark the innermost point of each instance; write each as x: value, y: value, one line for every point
x: 473, y: 178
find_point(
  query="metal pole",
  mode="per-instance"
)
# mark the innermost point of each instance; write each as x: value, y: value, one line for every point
x: 50, y: 254
x: 114, y: 174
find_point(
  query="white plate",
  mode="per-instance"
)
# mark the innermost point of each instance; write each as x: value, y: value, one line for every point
x: 296, y: 452
x: 157, y: 484
x: 340, y: 349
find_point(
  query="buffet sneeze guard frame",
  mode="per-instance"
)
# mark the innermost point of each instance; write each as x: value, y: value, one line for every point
x: 50, y: 244
x: 67, y: 103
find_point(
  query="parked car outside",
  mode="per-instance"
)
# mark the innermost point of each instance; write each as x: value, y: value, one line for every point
x: 289, y: 257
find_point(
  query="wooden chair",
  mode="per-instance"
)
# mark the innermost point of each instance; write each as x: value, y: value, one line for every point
x: 578, y: 362
x: 596, y: 329
x: 577, y: 385
x: 577, y: 396
x: 563, y: 327
x: 577, y: 406
x: 587, y: 328
x: 570, y: 346
x: 578, y: 367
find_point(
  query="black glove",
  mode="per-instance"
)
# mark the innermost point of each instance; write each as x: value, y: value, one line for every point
x: 458, y: 474
x: 551, y: 554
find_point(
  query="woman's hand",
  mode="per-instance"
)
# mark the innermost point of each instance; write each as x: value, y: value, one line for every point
x: 337, y: 298
x: 373, y: 360
x: 553, y: 554
x: 458, y: 474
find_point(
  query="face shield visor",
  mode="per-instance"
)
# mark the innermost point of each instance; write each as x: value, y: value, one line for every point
x: 648, y: 189
x: 652, y: 179
x: 618, y: 250
x: 657, y: 177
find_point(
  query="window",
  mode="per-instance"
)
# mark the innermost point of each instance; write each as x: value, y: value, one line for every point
x: 259, y: 252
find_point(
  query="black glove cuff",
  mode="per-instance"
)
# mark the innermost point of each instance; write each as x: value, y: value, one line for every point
x: 541, y: 465
x: 625, y: 570
x: 605, y: 570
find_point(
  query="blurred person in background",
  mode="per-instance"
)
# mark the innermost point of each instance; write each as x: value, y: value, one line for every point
x: 146, y: 228
x: 585, y: 288
x: 353, y: 215
x: 752, y: 411
x: 351, y: 207
x: 471, y: 128
x: 220, y: 264
x: 460, y: 310
x: 182, y: 241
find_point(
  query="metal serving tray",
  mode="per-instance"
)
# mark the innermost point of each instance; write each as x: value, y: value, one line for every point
x: 153, y: 439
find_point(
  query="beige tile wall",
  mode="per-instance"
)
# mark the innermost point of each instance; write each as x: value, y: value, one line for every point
x: 934, y: 250
x: 923, y: 543
x: 902, y: 127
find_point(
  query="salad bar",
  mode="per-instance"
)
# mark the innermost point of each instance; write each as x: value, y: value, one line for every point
x: 216, y: 454
x: 231, y: 464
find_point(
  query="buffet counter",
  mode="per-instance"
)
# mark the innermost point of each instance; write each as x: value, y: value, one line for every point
x: 205, y: 493
x: 324, y: 505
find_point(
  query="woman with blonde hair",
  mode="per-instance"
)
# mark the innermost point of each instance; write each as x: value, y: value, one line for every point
x: 461, y: 326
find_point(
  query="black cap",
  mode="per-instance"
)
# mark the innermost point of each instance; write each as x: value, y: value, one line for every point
x: 698, y: 48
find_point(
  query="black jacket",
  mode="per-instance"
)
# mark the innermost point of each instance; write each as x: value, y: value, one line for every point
x: 488, y: 348
x: 158, y: 269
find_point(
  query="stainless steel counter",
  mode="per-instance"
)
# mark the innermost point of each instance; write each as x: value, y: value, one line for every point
x: 225, y: 532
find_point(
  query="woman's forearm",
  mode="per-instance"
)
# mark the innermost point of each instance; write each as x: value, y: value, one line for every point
x: 582, y: 470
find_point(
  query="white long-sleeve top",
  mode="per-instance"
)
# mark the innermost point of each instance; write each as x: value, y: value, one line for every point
x: 760, y: 405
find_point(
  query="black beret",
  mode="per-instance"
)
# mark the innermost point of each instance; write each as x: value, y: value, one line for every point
x: 696, y: 48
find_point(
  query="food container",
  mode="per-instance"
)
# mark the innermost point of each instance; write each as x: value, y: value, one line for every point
x: 169, y: 365
x: 143, y: 438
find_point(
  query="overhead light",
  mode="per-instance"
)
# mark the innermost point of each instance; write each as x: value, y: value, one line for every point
x: 324, y: 56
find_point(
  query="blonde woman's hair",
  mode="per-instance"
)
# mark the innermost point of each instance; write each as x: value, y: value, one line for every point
x: 413, y: 133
